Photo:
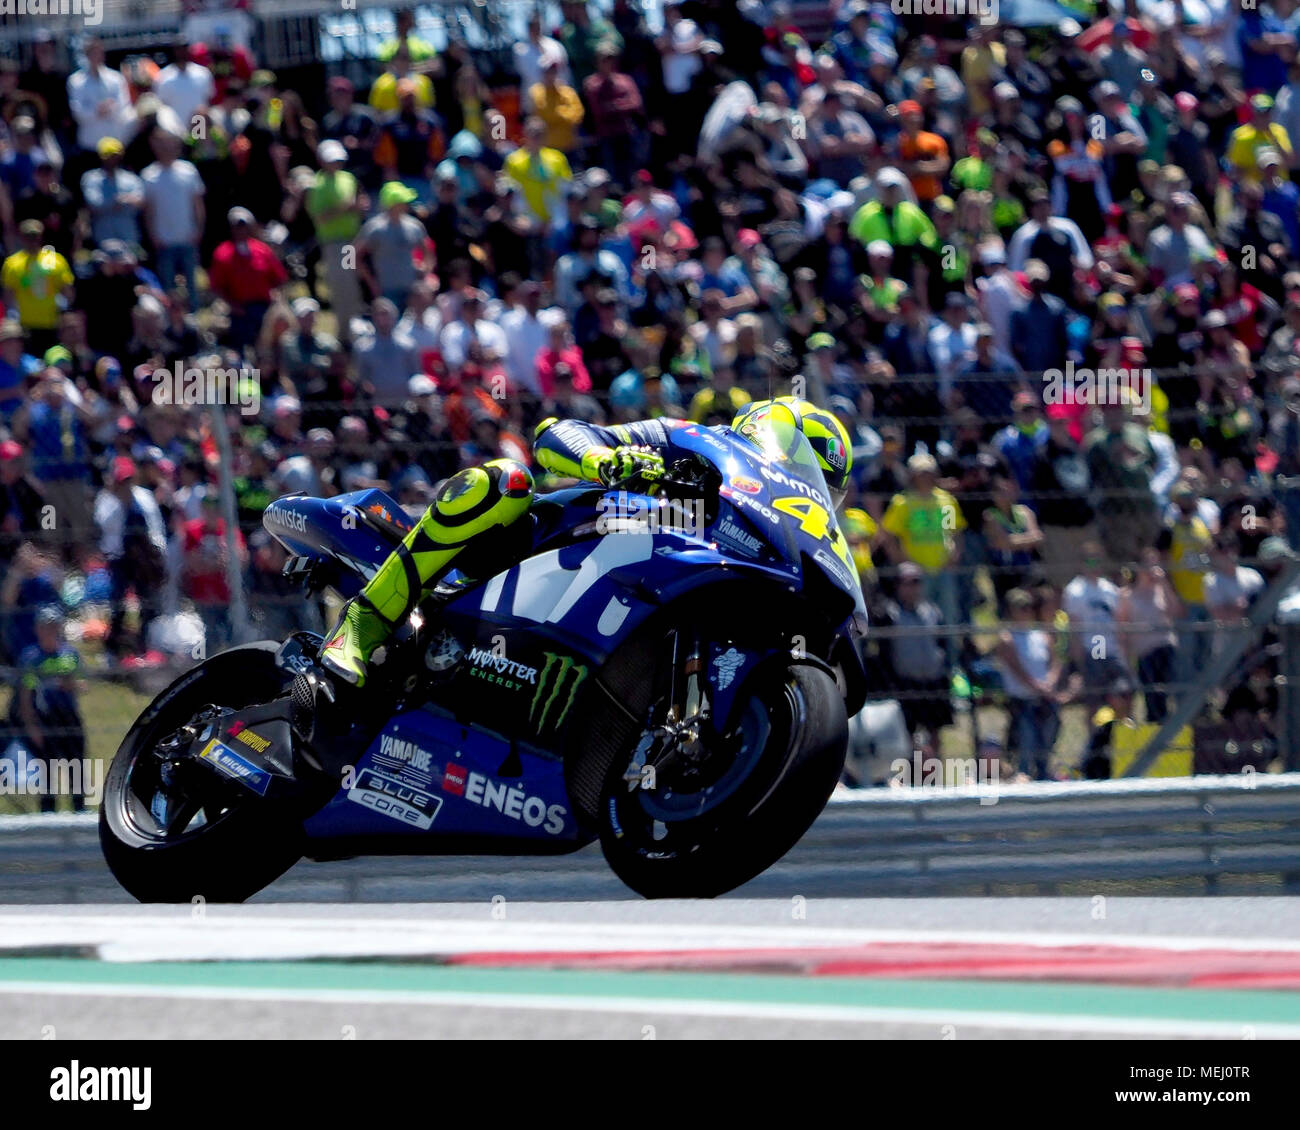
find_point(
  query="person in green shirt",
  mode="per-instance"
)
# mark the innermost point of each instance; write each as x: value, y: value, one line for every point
x: 902, y: 225
x: 976, y: 170
x: 336, y: 206
x: 880, y: 290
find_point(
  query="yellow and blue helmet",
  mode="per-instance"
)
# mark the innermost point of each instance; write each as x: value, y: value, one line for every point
x: 826, y: 435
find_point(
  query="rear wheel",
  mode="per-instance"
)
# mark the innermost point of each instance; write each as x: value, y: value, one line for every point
x: 701, y: 829
x: 170, y: 830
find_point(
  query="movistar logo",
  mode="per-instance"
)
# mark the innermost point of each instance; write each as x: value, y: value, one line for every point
x: 559, y: 668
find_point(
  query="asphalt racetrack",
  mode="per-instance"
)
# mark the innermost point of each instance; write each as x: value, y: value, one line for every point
x: 619, y: 968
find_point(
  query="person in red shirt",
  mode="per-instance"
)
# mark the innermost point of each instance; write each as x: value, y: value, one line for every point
x: 204, y: 554
x: 617, y: 115
x: 246, y: 274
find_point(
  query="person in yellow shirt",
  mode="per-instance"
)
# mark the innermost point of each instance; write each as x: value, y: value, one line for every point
x: 719, y: 401
x: 559, y: 107
x: 1187, y: 542
x: 1261, y: 132
x: 982, y: 62
x: 541, y: 173
x: 922, y: 524
x: 861, y: 531
x: 35, y: 278
x: 383, y: 95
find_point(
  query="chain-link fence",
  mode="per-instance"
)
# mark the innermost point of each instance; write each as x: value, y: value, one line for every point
x: 1048, y: 578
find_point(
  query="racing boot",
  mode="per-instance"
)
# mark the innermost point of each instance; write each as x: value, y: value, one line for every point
x: 471, y: 503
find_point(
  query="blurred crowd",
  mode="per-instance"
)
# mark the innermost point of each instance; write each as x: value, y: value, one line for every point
x: 923, y: 222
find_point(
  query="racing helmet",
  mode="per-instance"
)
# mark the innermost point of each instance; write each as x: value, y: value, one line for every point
x: 826, y: 435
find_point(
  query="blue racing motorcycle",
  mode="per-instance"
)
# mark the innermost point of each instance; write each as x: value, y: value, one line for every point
x: 667, y: 667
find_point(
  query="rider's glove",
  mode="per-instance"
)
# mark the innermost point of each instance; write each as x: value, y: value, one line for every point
x: 623, y: 462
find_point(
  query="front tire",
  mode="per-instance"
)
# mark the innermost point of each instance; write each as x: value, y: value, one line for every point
x: 230, y: 848
x: 793, y: 775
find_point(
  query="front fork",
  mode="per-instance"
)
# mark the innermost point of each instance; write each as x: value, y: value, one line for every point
x: 682, y: 730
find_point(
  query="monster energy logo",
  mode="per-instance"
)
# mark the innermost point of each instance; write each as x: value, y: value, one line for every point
x: 561, y: 665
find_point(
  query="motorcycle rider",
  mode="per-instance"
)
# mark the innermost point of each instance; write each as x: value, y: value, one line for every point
x: 479, y: 500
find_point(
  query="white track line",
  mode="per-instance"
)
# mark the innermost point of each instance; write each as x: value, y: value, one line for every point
x: 220, y: 933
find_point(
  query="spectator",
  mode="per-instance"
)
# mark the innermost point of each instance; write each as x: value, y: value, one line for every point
x: 541, y: 172
x: 923, y: 522
x: 114, y: 196
x: 133, y: 541
x: 559, y: 107
x: 337, y: 206
x: 1091, y: 601
x: 385, y: 359
x: 1230, y: 587
x: 100, y: 101
x: 387, y: 244
x: 37, y: 283
x: 913, y: 656
x: 1147, y: 612
x: 49, y: 712
x: 174, y: 212
x: 205, y: 554
x: 247, y: 275
x: 1029, y: 672
x: 184, y: 86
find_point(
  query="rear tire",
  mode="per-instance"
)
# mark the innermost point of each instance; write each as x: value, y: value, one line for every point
x: 785, y: 792
x: 239, y: 853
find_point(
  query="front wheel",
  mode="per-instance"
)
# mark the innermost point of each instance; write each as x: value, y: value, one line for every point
x: 172, y: 835
x: 701, y: 834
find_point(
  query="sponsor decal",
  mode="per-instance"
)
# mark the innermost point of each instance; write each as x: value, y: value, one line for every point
x: 405, y: 753
x: 836, y: 456
x: 289, y: 519
x: 747, y: 485
x: 254, y: 741
x: 395, y: 799
x: 751, y: 504
x: 736, y: 537
x: 725, y: 667
x: 497, y: 669
x: 836, y: 568
x: 227, y: 761
x: 560, y: 670
x: 772, y: 474
x: 453, y: 779
x: 509, y: 800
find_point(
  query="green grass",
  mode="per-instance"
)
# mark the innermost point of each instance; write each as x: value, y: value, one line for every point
x: 108, y: 707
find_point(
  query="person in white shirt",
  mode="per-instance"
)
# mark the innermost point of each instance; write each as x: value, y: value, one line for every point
x: 1018, y: 248
x: 679, y: 47
x: 1000, y: 295
x: 421, y: 321
x: 1091, y: 602
x: 100, y: 101
x: 184, y: 86
x: 1229, y: 587
x: 525, y: 334
x: 174, y: 212
x: 535, y: 53
x: 952, y: 341
x: 472, y: 337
